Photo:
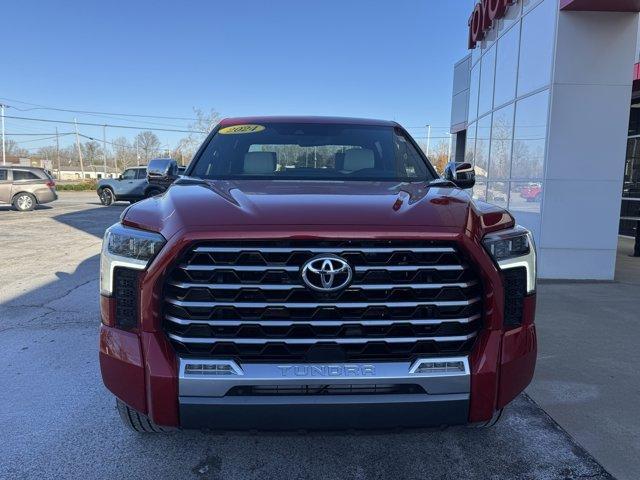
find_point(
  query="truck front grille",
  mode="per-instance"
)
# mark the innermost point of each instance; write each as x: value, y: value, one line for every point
x: 246, y: 301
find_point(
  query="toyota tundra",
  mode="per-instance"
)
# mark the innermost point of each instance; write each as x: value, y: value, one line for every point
x: 315, y: 273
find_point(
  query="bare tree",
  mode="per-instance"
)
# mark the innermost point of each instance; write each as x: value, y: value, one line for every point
x: 205, y: 122
x: 439, y: 156
x: 12, y: 149
x: 124, y: 151
x: 149, y: 144
x: 47, y: 153
x: 92, y: 152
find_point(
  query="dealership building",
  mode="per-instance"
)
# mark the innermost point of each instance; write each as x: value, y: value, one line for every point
x: 546, y: 106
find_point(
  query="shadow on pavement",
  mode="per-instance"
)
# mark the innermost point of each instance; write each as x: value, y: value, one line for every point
x: 7, y: 208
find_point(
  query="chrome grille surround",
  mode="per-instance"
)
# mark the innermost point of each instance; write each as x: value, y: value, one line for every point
x: 245, y: 301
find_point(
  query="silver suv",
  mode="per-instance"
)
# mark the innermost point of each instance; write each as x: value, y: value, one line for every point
x: 26, y: 187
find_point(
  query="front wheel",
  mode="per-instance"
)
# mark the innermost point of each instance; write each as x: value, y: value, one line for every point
x: 24, y: 202
x: 136, y: 421
x: 106, y: 197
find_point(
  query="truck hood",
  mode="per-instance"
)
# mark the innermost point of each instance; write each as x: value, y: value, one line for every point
x: 245, y: 204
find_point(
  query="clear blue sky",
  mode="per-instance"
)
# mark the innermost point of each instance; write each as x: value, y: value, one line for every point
x: 383, y: 59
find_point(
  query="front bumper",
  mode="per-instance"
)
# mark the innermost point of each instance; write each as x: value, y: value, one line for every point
x: 441, y: 395
x: 143, y: 371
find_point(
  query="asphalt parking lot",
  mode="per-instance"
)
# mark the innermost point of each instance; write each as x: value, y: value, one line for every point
x: 58, y: 421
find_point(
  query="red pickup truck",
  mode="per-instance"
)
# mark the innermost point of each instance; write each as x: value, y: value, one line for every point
x: 315, y: 273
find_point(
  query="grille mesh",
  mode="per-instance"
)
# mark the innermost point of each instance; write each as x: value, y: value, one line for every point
x: 125, y: 291
x: 515, y: 287
x: 246, y: 301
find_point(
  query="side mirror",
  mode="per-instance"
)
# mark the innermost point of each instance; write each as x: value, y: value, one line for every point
x: 120, y: 177
x: 462, y: 174
x: 162, y: 169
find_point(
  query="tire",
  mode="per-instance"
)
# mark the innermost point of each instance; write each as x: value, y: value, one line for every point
x: 107, y: 197
x: 24, y: 202
x: 136, y: 421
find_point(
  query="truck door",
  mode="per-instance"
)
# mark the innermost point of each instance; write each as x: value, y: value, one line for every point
x: 140, y: 182
x: 125, y: 186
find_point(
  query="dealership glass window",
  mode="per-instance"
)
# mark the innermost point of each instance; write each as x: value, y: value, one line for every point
x: 536, y: 47
x: 485, y: 101
x: 480, y: 190
x: 483, y: 137
x: 490, y: 38
x: 631, y: 186
x: 529, y: 137
x: 498, y: 193
x: 529, y: 4
x: 501, y: 141
x: 470, y: 145
x: 473, y: 92
x: 507, y: 66
x: 525, y: 197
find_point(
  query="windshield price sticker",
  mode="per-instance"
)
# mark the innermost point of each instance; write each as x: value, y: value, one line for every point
x: 238, y: 129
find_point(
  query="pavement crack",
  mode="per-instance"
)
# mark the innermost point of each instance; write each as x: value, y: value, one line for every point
x: 45, y: 304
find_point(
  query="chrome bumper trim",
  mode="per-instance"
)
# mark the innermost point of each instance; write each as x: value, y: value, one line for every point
x: 194, y: 381
x: 313, y: 341
x: 444, y: 303
x: 320, y: 323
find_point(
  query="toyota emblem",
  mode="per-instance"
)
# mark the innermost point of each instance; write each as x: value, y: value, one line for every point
x: 326, y: 273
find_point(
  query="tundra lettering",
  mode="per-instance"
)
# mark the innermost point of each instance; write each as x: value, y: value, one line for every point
x: 327, y: 370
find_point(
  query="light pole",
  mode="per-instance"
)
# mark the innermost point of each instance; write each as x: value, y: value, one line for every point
x: 428, y: 139
x: 104, y: 148
x: 4, y: 157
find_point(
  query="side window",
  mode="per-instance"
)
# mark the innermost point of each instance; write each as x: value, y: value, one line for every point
x: 141, y: 174
x: 3, y: 174
x: 129, y: 174
x: 24, y: 175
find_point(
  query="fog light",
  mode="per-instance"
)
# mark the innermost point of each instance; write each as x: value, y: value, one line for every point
x: 215, y: 369
x: 436, y: 366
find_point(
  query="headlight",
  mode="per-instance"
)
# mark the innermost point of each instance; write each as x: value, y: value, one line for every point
x: 126, y: 247
x: 514, y: 248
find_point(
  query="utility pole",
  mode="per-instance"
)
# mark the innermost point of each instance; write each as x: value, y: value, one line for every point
x: 449, y: 152
x: 79, y: 149
x: 137, y: 152
x: 104, y: 148
x: 428, y: 139
x: 58, y: 154
x: 4, y: 156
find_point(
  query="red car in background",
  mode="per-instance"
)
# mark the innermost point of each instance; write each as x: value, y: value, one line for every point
x: 532, y: 192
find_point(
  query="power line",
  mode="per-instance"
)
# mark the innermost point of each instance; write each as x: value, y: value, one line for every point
x: 90, y: 112
x: 99, y: 116
x: 104, y: 125
x: 43, y: 138
x: 31, y: 134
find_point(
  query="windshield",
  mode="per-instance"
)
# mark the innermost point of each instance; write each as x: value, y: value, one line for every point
x: 311, y: 152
